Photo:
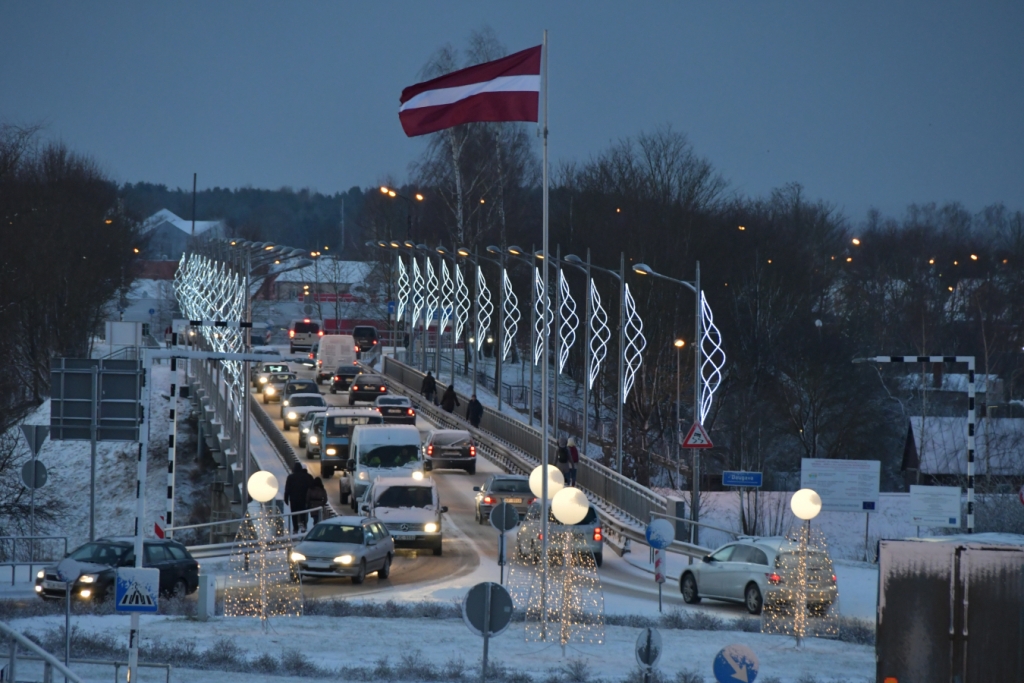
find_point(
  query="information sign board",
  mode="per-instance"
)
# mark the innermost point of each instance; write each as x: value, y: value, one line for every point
x: 844, y: 485
x: 935, y: 506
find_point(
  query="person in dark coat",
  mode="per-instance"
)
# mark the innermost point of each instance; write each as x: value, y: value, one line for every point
x: 449, y: 400
x: 574, y: 461
x: 562, y: 457
x: 474, y: 411
x: 296, y: 488
x: 316, y: 500
x: 429, y: 388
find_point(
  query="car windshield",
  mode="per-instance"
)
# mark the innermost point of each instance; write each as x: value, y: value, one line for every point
x: 450, y: 439
x: 364, y: 333
x: 336, y: 533
x: 392, y: 401
x: 302, y: 388
x: 510, y: 486
x: 306, y: 328
x: 100, y: 553
x: 347, y: 370
x: 406, y: 497
x: 389, y: 456
x: 306, y: 401
x: 340, y: 425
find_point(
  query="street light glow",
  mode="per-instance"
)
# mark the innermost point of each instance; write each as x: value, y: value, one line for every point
x: 418, y: 197
x: 642, y: 269
x: 856, y: 242
x: 742, y: 228
x: 515, y: 251
x: 849, y: 259
x: 931, y: 262
x: 392, y: 193
x: 974, y: 257
x: 384, y: 189
x: 679, y: 343
x: 463, y: 252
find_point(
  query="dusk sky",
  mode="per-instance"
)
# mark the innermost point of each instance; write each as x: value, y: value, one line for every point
x: 867, y: 104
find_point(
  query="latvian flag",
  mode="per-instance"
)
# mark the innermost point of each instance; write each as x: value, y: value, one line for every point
x: 506, y: 89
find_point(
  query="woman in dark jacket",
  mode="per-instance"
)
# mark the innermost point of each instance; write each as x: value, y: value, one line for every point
x: 449, y: 400
x: 316, y: 499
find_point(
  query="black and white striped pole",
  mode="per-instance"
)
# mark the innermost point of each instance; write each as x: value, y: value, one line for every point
x: 969, y: 360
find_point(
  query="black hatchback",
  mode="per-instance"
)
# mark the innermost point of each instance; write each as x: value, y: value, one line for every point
x: 343, y: 376
x: 99, y: 560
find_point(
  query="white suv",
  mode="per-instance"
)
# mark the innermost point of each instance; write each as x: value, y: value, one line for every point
x: 409, y: 508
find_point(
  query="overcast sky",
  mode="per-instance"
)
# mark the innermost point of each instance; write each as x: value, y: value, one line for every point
x: 865, y: 103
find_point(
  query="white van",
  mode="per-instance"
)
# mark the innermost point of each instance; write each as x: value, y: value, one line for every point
x: 304, y: 333
x: 381, y: 451
x: 334, y: 350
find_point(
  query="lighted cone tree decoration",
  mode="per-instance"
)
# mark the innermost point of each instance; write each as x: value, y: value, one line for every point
x: 564, y: 603
x: 804, y: 601
x: 260, y: 583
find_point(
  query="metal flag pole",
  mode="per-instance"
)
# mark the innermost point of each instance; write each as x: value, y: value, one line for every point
x: 476, y: 320
x: 544, y: 358
x: 558, y: 333
x: 533, y: 328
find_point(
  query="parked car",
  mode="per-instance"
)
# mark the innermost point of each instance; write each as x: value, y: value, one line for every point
x: 298, y: 406
x: 335, y: 436
x: 365, y: 336
x: 513, y: 489
x: 450, y: 449
x: 344, y: 546
x: 262, y: 373
x: 396, y: 409
x: 275, y: 384
x: 343, y: 377
x: 297, y: 386
x: 588, y: 533
x: 99, y: 560
x: 306, y: 425
x: 753, y: 571
x: 366, y: 387
x: 334, y: 350
x: 410, y: 509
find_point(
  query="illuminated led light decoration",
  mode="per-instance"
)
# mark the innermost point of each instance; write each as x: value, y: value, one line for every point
x: 569, y: 321
x: 635, y: 344
x: 542, y: 312
x: 571, y: 609
x: 447, y: 297
x: 403, y: 289
x: 600, y: 335
x: 512, y: 315
x: 418, y: 299
x: 461, y: 302
x: 431, y: 296
x: 259, y: 582
x: 714, y: 357
x: 803, y: 576
x: 484, y: 308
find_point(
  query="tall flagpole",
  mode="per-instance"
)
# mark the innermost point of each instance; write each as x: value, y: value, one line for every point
x: 544, y: 355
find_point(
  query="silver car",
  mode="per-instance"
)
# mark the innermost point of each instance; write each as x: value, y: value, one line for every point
x: 315, y: 435
x: 513, y: 489
x: 297, y: 406
x: 588, y: 533
x: 344, y: 546
x: 306, y: 426
x: 755, y: 571
x: 274, y: 387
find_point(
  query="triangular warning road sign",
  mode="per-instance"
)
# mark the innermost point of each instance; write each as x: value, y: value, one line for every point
x: 696, y: 437
x: 135, y: 597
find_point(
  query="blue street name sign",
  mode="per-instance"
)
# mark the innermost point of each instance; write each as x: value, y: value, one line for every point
x: 742, y: 479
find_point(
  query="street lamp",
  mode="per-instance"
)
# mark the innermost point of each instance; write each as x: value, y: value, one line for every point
x: 679, y: 344
x: 418, y: 197
x: 517, y: 253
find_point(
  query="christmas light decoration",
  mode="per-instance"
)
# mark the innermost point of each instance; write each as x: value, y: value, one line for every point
x: 512, y: 315
x: 403, y: 289
x: 417, y: 291
x: 714, y: 357
x: 484, y: 308
x: 635, y: 344
x: 600, y: 335
x: 461, y: 302
x: 569, y: 321
x: 447, y: 297
x: 431, y: 296
x: 544, y: 315
x: 804, y: 603
x: 260, y: 582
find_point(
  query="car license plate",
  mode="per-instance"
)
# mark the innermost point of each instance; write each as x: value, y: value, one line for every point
x: 404, y: 537
x: 54, y: 585
x: 394, y: 411
x: 318, y: 565
x: 513, y: 500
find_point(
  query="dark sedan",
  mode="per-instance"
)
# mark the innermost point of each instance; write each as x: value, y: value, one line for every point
x: 366, y: 388
x: 343, y: 377
x: 395, y: 409
x: 513, y: 489
x: 450, y: 449
x: 99, y: 560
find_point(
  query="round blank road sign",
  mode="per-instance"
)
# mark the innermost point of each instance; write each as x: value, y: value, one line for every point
x: 33, y: 474
x: 501, y: 609
x: 504, y: 517
x: 648, y: 647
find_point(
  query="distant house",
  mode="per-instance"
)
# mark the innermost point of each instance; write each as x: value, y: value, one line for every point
x: 937, y: 448
x: 326, y: 280
x: 168, y: 234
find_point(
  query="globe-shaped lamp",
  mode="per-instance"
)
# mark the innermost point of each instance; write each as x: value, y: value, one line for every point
x: 805, y: 504
x: 570, y: 505
x: 555, y: 481
x: 262, y: 486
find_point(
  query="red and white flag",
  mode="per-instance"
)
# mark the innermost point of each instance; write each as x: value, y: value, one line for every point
x: 507, y: 89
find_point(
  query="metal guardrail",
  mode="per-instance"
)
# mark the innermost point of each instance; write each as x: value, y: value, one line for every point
x: 50, y: 662
x: 14, y: 563
x: 101, y: 662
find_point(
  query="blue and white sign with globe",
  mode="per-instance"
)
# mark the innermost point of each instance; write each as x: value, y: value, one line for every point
x: 660, y: 534
x: 735, y: 664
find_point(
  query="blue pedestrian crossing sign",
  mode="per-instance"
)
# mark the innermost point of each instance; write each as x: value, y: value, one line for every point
x: 136, y: 590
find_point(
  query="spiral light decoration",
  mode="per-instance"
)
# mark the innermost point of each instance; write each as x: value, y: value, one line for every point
x: 542, y: 313
x: 512, y: 315
x: 484, y: 308
x: 403, y: 289
x: 417, y: 291
x: 569, y: 321
x: 461, y: 302
x: 431, y: 296
x: 714, y: 357
x: 447, y: 297
x: 600, y: 335
x: 635, y: 344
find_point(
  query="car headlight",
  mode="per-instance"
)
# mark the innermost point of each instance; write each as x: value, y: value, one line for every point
x: 313, y: 439
x: 87, y: 578
x: 344, y: 559
x: 362, y: 475
x: 417, y: 475
x: 305, y: 430
x: 297, y: 557
x: 332, y: 451
x: 41, y: 574
x: 85, y: 593
x: 263, y: 380
x: 39, y: 589
x: 269, y: 390
x: 430, y: 527
x: 292, y: 415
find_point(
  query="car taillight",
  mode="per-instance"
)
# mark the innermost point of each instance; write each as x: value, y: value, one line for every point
x: 337, y: 379
x: 374, y: 342
x: 310, y: 355
x: 383, y: 388
x: 410, y: 412
x: 291, y: 333
x: 430, y: 449
x: 472, y: 451
x: 488, y: 500
x: 355, y: 388
x: 773, y: 578
x: 357, y: 349
x: 598, y: 536
x: 531, y: 501
x: 540, y: 537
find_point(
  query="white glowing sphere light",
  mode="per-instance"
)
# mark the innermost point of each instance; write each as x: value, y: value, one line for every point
x: 570, y: 505
x: 555, y: 481
x: 262, y: 486
x: 805, y: 504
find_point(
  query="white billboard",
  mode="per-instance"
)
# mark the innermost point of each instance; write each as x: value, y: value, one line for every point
x: 844, y: 485
x: 935, y: 506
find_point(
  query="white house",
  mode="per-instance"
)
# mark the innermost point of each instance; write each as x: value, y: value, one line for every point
x: 168, y: 234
